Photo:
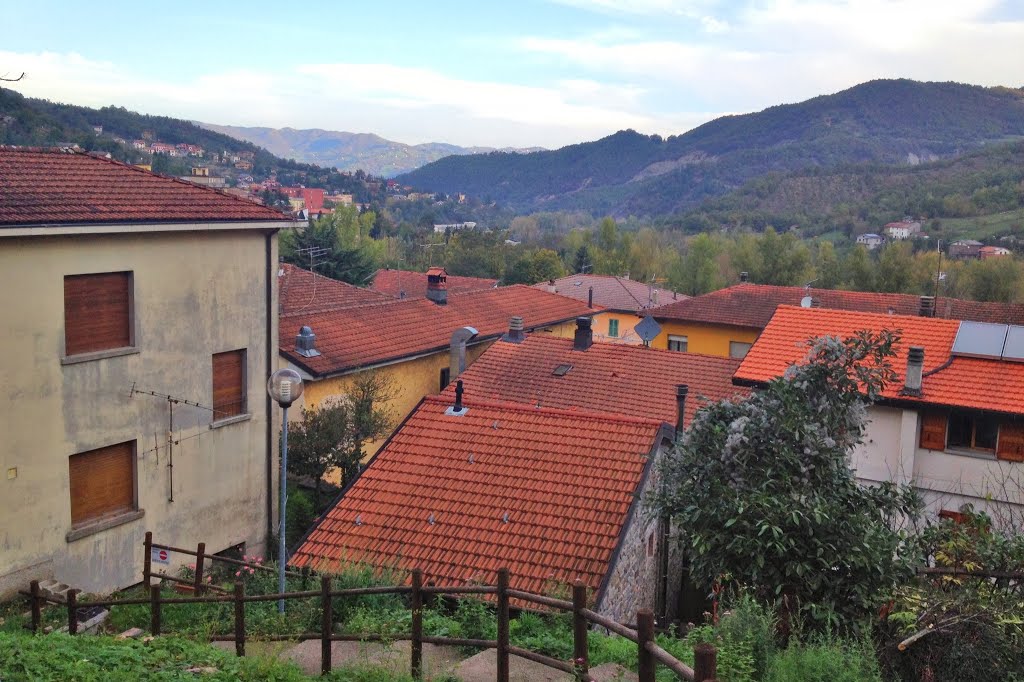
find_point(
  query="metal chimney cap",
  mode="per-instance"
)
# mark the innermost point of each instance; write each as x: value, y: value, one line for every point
x: 915, y: 355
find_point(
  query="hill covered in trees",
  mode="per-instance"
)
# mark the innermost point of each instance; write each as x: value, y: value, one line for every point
x: 889, y: 122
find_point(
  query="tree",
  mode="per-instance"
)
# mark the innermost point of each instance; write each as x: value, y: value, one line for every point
x: 784, y: 259
x: 859, y: 273
x: 582, y: 261
x: 994, y: 279
x: 698, y: 272
x: 895, y: 269
x: 763, y: 495
x: 331, y: 435
x: 345, y: 255
x: 829, y: 271
x: 547, y: 265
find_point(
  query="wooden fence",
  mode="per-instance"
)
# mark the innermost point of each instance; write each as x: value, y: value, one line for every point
x: 649, y: 654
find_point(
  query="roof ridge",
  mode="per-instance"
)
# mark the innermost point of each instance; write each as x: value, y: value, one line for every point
x: 626, y: 348
x: 554, y: 411
x: 864, y: 313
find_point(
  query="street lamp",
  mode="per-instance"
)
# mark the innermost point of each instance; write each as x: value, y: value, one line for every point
x: 285, y: 387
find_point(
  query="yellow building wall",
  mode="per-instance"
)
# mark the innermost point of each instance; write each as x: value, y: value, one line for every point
x: 626, y: 323
x: 707, y: 339
x: 411, y: 381
x: 195, y: 294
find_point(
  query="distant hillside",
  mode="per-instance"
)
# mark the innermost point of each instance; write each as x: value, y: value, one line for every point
x: 35, y: 122
x: 349, y: 151
x: 898, y: 122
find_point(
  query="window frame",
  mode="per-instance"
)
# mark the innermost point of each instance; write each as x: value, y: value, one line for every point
x: 100, y: 353
x: 732, y: 353
x: 1009, y: 443
x: 684, y: 339
x: 243, y: 412
x: 444, y: 378
x: 613, y: 329
x: 110, y: 519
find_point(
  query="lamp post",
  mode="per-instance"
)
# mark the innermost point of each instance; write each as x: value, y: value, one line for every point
x: 285, y: 387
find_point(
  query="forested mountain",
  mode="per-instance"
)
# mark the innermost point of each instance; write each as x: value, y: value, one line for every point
x: 348, y: 151
x: 36, y: 122
x: 897, y: 122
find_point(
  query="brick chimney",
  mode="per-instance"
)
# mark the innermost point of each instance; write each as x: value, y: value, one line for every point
x: 744, y: 276
x: 915, y: 365
x: 682, y: 390
x: 590, y: 297
x: 584, y: 338
x: 437, y: 286
x: 515, y: 331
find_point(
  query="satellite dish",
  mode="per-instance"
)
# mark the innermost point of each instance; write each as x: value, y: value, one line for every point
x: 805, y: 302
x: 647, y: 329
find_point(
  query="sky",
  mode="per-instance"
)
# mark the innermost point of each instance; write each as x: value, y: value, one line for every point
x: 518, y: 73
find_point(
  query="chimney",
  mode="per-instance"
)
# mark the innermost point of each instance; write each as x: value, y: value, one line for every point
x: 681, y: 392
x: 551, y: 288
x: 437, y: 287
x: 515, y: 331
x: 744, y: 276
x: 927, y: 306
x: 584, y: 338
x: 590, y: 297
x: 457, y: 351
x: 457, y: 407
x: 915, y: 365
x: 305, y: 343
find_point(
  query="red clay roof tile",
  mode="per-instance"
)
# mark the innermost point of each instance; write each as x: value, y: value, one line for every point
x: 752, y: 305
x: 302, y: 291
x: 613, y: 293
x: 370, y: 334
x: 629, y: 380
x: 949, y: 381
x: 414, y: 284
x: 551, y: 471
x: 51, y: 187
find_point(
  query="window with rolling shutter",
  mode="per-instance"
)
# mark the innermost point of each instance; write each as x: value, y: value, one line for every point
x: 228, y: 384
x: 97, y: 312
x: 102, y: 483
x: 933, y: 431
x: 1011, y: 442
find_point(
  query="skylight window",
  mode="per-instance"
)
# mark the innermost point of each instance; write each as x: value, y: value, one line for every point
x: 562, y: 370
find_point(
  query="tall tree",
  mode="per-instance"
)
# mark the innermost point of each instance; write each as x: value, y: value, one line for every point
x: 827, y: 266
x: 895, y: 269
x: 698, y: 272
x: 994, y: 279
x: 860, y: 274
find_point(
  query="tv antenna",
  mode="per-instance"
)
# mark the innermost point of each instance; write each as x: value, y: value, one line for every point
x: 313, y: 252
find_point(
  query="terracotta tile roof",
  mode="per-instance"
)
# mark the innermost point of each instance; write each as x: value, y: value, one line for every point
x: 752, y: 305
x: 629, y: 380
x: 51, y: 187
x: 303, y: 291
x: 415, y: 283
x: 614, y: 293
x: 370, y: 334
x: 950, y: 381
x: 566, y: 480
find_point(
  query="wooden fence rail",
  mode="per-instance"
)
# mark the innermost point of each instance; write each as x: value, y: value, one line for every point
x: 649, y: 654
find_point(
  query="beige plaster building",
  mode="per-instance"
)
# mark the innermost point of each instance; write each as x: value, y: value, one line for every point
x: 139, y: 314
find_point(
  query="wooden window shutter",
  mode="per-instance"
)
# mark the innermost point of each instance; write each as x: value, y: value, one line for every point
x: 102, y: 482
x: 933, y: 431
x: 1011, y: 442
x: 97, y: 312
x: 228, y: 384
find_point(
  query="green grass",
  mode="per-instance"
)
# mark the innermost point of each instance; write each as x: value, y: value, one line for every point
x: 984, y: 227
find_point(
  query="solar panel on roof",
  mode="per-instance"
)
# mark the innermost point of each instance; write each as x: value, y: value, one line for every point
x: 980, y: 340
x: 1013, y: 348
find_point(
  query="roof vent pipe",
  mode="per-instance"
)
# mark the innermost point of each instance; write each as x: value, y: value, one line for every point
x: 305, y: 343
x: 744, y: 276
x: 590, y: 297
x: 457, y: 350
x: 515, y: 330
x: 457, y: 408
x: 682, y: 390
x: 915, y: 366
x: 927, y: 306
x: 584, y: 338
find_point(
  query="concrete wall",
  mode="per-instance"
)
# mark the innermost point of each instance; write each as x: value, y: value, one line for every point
x: 195, y: 294
x: 707, y: 339
x: 946, y: 479
x: 626, y: 335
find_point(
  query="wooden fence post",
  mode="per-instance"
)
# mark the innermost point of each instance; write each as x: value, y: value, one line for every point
x: 37, y: 614
x: 580, y: 651
x: 197, y: 587
x: 154, y: 609
x: 705, y: 663
x: 645, y: 633
x: 417, y: 624
x: 326, y: 624
x: 72, y: 612
x: 147, y: 560
x: 239, y: 619
x: 503, y: 580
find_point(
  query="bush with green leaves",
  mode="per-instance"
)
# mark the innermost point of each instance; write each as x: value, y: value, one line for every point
x: 762, y: 491
x: 825, y: 660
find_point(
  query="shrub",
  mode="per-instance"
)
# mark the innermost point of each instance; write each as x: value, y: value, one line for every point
x: 748, y: 625
x: 825, y: 661
x: 300, y: 516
